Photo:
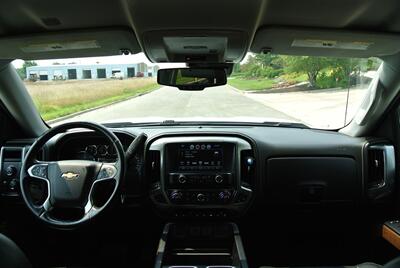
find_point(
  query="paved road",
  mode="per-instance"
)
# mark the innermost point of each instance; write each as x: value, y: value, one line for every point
x: 169, y: 102
x: 317, y: 108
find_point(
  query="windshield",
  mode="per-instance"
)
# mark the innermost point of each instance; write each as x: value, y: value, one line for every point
x: 319, y: 92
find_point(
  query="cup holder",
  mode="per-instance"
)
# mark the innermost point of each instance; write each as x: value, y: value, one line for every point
x: 200, y: 246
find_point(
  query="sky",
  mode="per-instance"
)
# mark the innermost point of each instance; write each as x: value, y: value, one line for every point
x: 119, y: 59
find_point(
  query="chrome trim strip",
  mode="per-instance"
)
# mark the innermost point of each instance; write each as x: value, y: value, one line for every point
x: 89, y: 205
x: 182, y: 266
x: 161, y: 247
x: 389, y: 163
x: 239, y: 246
x: 202, y: 254
x: 221, y: 266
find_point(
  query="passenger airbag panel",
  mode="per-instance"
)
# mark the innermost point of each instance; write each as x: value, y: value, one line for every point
x: 311, y: 180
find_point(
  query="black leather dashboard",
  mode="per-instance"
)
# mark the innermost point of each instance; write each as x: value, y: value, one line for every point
x: 294, y: 165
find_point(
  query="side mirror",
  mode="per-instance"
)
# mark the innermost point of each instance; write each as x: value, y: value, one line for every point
x: 191, y: 78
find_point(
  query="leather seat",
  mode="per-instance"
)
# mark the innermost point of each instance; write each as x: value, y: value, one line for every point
x: 362, y: 265
x: 11, y: 256
x: 392, y: 264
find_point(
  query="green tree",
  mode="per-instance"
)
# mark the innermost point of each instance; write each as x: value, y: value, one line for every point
x: 269, y: 60
x: 236, y: 68
x: 312, y: 66
x: 345, y: 72
x: 22, y: 71
x: 248, y: 67
x: 373, y: 64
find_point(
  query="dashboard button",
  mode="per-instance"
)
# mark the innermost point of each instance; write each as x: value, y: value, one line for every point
x: 11, y: 171
x: 182, y: 179
x: 13, y: 184
x: 38, y: 171
x: 224, y: 196
x: 201, y: 197
x: 107, y: 172
x: 176, y: 196
x: 219, y: 179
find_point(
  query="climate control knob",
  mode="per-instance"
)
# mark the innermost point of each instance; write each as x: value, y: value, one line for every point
x: 182, y: 179
x: 176, y: 196
x: 224, y: 196
x: 219, y: 179
x: 201, y: 197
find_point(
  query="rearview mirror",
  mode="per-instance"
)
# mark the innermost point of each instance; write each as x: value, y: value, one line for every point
x: 191, y: 78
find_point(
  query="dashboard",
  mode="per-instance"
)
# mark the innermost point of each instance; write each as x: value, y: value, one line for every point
x: 222, y: 171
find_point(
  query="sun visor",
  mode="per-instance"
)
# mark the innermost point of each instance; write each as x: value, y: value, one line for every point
x: 71, y: 44
x: 336, y: 43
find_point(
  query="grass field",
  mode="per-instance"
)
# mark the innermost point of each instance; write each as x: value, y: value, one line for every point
x: 60, y: 98
x: 263, y: 83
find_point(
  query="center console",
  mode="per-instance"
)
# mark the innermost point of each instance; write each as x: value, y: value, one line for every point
x: 200, y: 246
x: 201, y: 176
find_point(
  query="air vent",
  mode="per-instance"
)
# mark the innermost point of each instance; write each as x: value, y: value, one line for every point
x: 247, y: 167
x: 11, y: 154
x: 380, y: 170
x: 154, y: 165
x: 376, y: 167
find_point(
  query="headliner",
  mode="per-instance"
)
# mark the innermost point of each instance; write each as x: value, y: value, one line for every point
x: 28, y: 18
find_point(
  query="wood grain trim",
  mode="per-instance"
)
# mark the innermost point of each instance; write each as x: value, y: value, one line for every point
x: 391, y: 236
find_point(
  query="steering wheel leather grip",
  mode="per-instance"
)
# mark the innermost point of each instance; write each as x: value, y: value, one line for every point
x: 70, y: 183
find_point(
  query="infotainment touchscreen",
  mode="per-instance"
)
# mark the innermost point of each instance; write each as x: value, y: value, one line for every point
x: 200, y: 156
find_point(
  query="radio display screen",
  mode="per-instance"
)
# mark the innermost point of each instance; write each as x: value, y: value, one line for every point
x: 200, y: 156
x: 197, y: 157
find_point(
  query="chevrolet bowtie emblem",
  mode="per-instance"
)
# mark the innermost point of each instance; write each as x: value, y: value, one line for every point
x: 69, y: 176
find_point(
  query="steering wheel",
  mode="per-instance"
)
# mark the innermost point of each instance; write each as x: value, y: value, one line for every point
x: 70, y: 183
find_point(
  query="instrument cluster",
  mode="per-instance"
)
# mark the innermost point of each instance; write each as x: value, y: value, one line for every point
x: 97, y: 152
x: 90, y: 147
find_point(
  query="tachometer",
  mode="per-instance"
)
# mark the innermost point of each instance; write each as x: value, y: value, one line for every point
x: 102, y: 150
x: 91, y: 149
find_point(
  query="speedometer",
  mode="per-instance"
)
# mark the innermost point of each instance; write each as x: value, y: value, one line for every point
x: 102, y: 150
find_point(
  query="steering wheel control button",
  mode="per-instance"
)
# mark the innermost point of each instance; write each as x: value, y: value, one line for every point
x: 38, y: 171
x: 107, y: 172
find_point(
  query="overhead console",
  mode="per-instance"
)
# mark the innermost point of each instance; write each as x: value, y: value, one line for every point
x: 202, y: 176
x: 196, y: 46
